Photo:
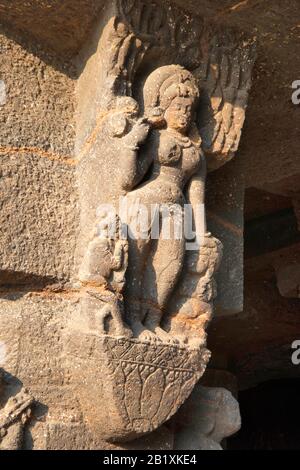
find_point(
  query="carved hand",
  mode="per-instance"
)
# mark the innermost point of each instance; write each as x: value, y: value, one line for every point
x: 120, y: 255
x: 139, y: 132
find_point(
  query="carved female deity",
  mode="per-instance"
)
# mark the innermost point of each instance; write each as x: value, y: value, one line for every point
x: 173, y: 164
x: 155, y: 160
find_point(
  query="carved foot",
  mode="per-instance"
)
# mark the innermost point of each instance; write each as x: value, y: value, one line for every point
x: 166, y: 337
x: 149, y: 336
x: 143, y: 334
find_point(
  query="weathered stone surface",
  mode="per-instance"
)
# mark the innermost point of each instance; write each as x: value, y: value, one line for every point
x: 37, y: 217
x: 142, y: 384
x: 14, y: 414
x: 225, y: 219
x: 209, y: 416
x: 60, y: 26
x: 34, y: 320
x: 39, y: 108
x: 105, y: 356
x: 143, y: 137
x: 191, y: 306
x: 38, y: 202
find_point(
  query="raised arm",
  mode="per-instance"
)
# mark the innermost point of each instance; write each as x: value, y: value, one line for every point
x: 135, y: 163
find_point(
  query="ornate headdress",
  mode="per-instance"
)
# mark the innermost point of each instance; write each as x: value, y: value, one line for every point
x: 165, y: 84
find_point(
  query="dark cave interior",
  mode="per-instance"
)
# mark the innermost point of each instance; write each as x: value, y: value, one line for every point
x: 270, y: 417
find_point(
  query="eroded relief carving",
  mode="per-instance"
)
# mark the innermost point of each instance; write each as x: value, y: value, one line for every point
x: 146, y: 299
x: 173, y: 149
x: 103, y: 275
x: 224, y: 75
x: 191, y: 306
x: 14, y: 414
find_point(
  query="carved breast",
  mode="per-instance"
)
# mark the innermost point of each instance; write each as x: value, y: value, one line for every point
x: 182, y: 154
x: 191, y: 160
x: 170, y: 152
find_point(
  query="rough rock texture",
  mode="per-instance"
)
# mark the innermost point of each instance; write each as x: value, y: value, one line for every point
x: 225, y: 219
x: 209, y: 416
x: 62, y: 26
x: 275, y: 27
x: 57, y: 422
x: 144, y: 384
x: 39, y: 106
x: 14, y: 414
x: 39, y: 209
x: 38, y: 222
x: 38, y: 206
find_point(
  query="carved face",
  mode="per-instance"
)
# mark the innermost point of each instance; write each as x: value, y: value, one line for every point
x: 179, y: 114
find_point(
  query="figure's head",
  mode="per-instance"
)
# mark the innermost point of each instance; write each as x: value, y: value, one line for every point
x: 170, y: 97
x: 179, y: 114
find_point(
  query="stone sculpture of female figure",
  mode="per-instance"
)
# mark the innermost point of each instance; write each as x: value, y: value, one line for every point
x: 169, y: 170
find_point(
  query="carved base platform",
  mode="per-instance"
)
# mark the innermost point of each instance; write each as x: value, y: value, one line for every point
x: 127, y: 388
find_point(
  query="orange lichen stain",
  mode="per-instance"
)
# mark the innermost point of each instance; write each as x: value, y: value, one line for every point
x: 62, y: 292
x: 72, y: 294
x: 66, y: 160
x: 183, y: 325
x: 93, y: 135
x: 182, y: 321
x: 48, y: 295
x: 102, y: 289
x: 94, y: 285
x: 40, y: 294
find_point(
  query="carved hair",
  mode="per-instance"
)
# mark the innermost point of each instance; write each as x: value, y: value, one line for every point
x: 165, y: 84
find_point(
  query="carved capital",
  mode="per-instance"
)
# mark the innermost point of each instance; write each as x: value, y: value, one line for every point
x: 171, y: 95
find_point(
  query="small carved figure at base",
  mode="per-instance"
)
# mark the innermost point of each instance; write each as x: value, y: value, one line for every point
x: 13, y: 417
x: 102, y: 275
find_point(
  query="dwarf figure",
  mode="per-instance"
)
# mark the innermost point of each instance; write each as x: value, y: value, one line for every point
x: 102, y: 275
x: 13, y: 416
